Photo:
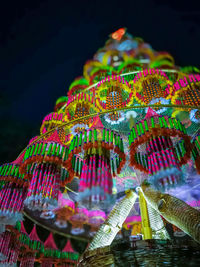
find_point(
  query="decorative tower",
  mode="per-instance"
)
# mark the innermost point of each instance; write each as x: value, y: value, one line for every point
x: 133, y: 118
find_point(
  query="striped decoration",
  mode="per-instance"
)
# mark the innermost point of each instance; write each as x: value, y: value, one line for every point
x: 94, y: 138
x: 163, y: 165
x: 146, y: 125
x: 44, y: 186
x: 43, y: 152
x: 10, y: 172
x: 52, y: 119
x: 81, y: 97
x: 90, y: 138
x: 158, y: 127
x: 196, y: 152
x: 11, y: 203
x: 9, y: 249
x: 27, y: 260
x: 96, y: 181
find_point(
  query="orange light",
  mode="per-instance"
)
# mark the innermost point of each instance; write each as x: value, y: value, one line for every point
x: 118, y: 34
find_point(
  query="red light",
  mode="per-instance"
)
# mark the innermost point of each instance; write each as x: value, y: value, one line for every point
x: 118, y: 34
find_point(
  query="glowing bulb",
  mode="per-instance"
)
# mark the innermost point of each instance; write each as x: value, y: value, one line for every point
x: 118, y: 34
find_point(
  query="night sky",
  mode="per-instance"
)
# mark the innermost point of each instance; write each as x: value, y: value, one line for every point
x: 44, y: 45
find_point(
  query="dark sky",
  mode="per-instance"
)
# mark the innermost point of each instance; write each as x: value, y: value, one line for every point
x: 44, y: 45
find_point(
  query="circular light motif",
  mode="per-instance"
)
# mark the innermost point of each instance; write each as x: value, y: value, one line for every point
x: 130, y: 114
x: 61, y: 224
x: 47, y: 215
x: 114, y: 122
x: 77, y: 231
x: 79, y: 128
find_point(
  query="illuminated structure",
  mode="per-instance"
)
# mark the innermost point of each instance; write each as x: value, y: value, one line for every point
x: 113, y: 224
x: 134, y: 115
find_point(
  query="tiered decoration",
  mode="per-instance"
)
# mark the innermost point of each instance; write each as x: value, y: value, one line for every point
x: 13, y: 191
x: 151, y: 87
x: 81, y: 105
x: 51, y: 121
x: 96, y: 166
x: 114, y: 92
x: 12, y: 199
x: 9, y: 248
x: 185, y: 91
x: 27, y: 260
x: 42, y: 164
x: 17, y: 245
x: 155, y: 150
x: 127, y: 85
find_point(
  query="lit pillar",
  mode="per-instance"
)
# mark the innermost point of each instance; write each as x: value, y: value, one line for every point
x: 174, y: 211
x: 113, y: 224
x: 146, y: 229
